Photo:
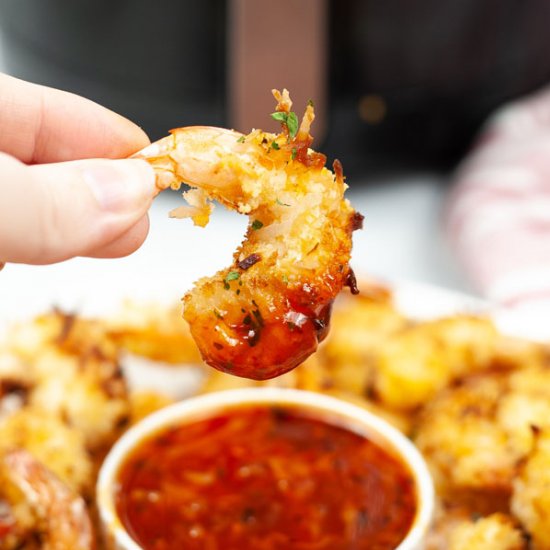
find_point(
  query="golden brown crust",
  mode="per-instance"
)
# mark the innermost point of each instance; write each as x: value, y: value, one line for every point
x: 268, y: 311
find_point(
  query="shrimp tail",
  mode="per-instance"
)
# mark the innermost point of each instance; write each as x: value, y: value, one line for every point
x: 61, y: 513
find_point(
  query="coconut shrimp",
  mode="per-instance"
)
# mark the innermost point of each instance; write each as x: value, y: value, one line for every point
x: 494, y: 532
x: 43, y: 512
x: 266, y: 313
x: 475, y: 435
x: 52, y: 442
x: 74, y: 374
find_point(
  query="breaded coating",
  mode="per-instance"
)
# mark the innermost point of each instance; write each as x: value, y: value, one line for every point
x: 50, y: 441
x: 475, y: 435
x: 88, y: 392
x: 531, y: 492
x: 496, y: 532
x: 361, y: 327
x: 424, y: 358
x: 464, y: 445
x: 459, y: 527
x: 76, y: 375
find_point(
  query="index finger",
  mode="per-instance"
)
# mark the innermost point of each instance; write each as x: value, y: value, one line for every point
x: 40, y: 124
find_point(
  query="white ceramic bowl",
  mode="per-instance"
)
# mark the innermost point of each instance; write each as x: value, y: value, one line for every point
x: 329, y: 409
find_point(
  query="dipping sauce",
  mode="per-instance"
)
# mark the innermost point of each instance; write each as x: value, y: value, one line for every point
x: 264, y: 478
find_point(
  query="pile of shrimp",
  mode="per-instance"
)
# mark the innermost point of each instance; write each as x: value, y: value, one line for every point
x: 475, y: 402
x: 267, y: 312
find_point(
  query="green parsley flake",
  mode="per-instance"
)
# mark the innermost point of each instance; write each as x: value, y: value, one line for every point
x: 275, y: 145
x: 289, y: 119
x: 292, y: 124
x: 280, y: 116
x: 294, y: 153
x: 257, y: 224
x: 232, y: 276
x: 241, y: 140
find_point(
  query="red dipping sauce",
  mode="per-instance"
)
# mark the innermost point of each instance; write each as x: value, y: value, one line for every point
x: 264, y: 478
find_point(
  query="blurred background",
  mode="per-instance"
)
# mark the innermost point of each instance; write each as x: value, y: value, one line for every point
x: 401, y: 88
x: 396, y: 84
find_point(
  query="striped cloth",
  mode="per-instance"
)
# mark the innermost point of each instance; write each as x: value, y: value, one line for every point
x: 498, y: 212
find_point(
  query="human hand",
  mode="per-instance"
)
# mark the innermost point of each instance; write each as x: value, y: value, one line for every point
x: 53, y: 204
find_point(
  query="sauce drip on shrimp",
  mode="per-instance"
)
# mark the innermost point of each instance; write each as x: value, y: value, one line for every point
x: 267, y: 312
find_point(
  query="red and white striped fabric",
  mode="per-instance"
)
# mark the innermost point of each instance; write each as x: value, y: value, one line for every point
x: 498, y: 213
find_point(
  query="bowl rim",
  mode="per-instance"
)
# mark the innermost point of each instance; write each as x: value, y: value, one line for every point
x: 335, y: 410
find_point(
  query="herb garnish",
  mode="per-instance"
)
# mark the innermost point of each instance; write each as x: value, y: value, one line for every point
x: 294, y: 153
x: 257, y: 224
x: 231, y: 276
x: 275, y: 145
x: 280, y: 116
x: 289, y: 119
x: 241, y: 140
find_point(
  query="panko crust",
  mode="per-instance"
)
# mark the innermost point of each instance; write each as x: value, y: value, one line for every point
x: 476, y: 435
x: 531, y: 492
x: 51, y: 442
x: 495, y: 532
x: 75, y: 375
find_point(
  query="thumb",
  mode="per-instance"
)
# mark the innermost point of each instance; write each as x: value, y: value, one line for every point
x: 52, y: 212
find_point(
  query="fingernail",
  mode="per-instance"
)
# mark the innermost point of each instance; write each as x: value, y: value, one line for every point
x: 120, y: 185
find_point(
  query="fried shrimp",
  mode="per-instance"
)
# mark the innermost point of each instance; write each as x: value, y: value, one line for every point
x: 495, y: 532
x: 459, y: 527
x: 51, y: 442
x: 474, y: 435
x: 43, y: 513
x: 75, y: 375
x: 266, y: 313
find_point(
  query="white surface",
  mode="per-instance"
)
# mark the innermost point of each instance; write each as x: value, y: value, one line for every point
x: 401, y: 239
x: 402, y: 236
